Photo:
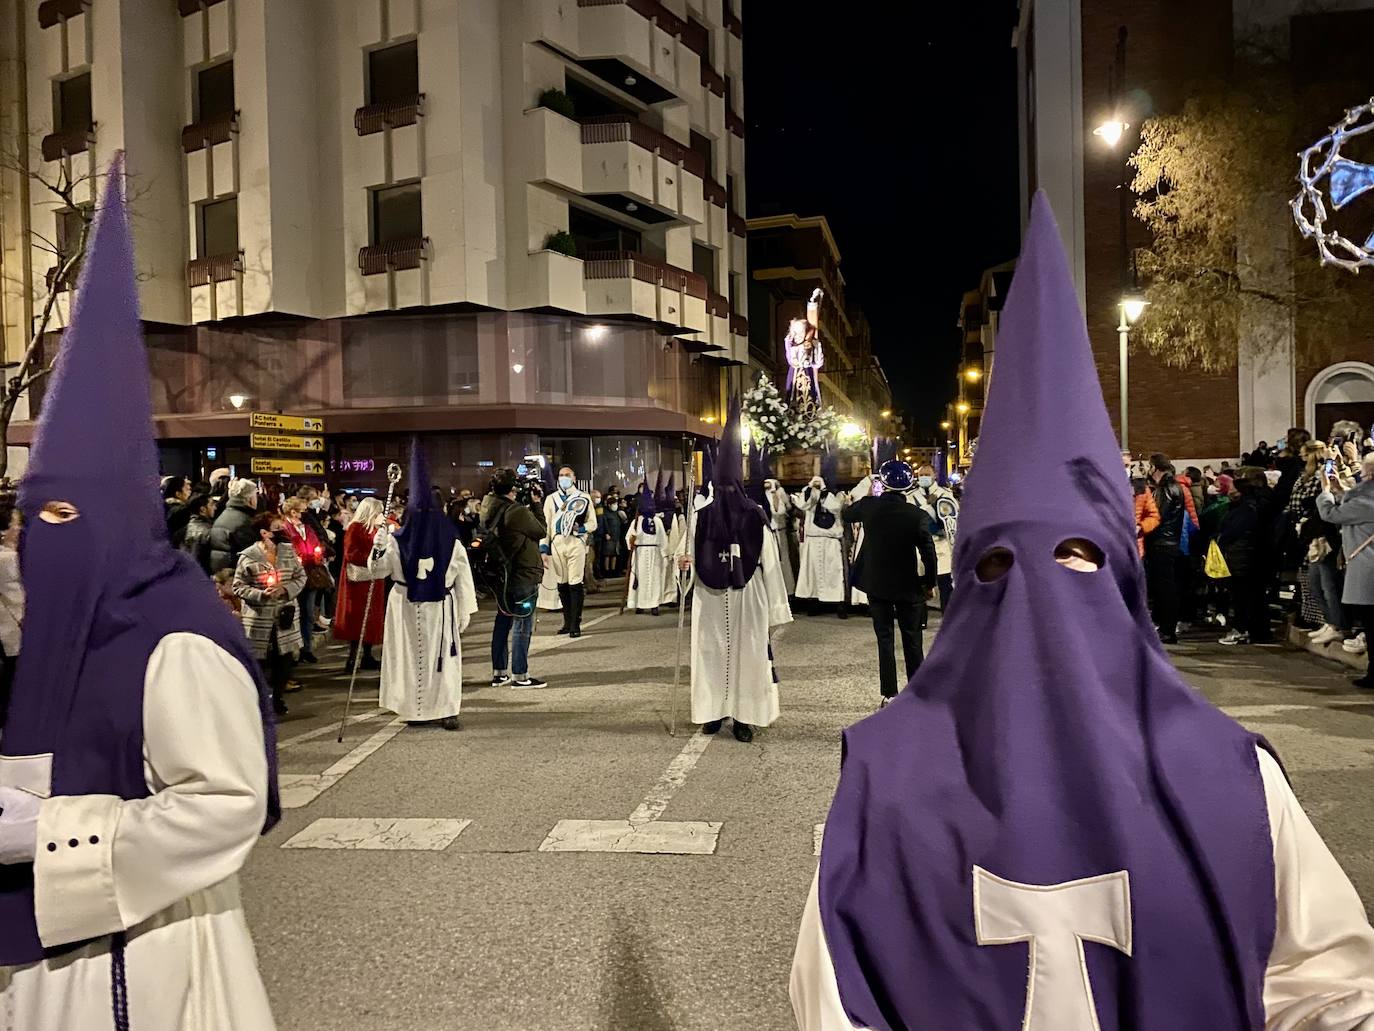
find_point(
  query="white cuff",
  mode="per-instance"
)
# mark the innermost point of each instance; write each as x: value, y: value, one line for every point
x: 73, y: 871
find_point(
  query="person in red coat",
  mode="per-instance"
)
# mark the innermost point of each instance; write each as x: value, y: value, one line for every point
x: 354, y: 588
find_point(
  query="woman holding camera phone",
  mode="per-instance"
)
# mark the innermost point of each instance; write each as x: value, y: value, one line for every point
x: 268, y: 579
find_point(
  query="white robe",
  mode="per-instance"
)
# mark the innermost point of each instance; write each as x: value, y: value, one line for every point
x: 777, y: 508
x: 566, y: 541
x: 165, y: 870
x: 677, y: 537
x: 822, y: 551
x: 417, y: 636
x: 647, y: 563
x: 1320, y: 975
x: 732, y: 670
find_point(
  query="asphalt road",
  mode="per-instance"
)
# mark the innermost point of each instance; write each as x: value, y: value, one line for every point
x: 445, y: 924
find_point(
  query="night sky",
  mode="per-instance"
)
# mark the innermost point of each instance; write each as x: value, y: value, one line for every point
x: 900, y: 128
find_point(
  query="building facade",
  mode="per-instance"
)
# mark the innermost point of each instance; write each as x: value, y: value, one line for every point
x: 789, y: 257
x: 1069, y: 71
x: 980, y: 313
x: 510, y: 225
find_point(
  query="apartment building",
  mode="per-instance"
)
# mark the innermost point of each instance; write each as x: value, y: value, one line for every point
x: 1085, y: 65
x: 980, y: 313
x: 510, y: 225
x: 789, y: 257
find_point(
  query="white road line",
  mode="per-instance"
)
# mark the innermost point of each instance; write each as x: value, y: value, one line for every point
x: 644, y: 832
x: 331, y: 728
x: 676, y: 775
x: 547, y: 643
x: 300, y: 789
x: 817, y: 836
x: 386, y: 835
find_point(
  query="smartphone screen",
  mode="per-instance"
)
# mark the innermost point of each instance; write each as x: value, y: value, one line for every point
x: 1330, y: 467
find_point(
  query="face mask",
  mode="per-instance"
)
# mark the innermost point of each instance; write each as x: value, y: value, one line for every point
x: 924, y: 481
x: 565, y: 482
x: 317, y: 504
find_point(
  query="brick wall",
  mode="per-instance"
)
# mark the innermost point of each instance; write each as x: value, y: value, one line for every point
x: 1171, y: 44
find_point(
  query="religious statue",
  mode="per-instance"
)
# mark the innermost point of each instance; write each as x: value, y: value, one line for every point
x: 805, y: 359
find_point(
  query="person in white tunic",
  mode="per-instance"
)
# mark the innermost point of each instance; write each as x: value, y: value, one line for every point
x: 137, y: 764
x: 778, y: 507
x: 739, y: 598
x: 821, y: 576
x: 647, y: 541
x: 431, y: 603
x: 570, y: 517
x: 675, y: 526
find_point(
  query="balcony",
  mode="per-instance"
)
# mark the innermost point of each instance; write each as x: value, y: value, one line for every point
x: 394, y: 256
x: 209, y: 132
x: 734, y: 123
x: 186, y: 8
x: 390, y: 114
x: 697, y: 38
x: 712, y: 80
x: 58, y: 283
x: 650, y: 9
x: 218, y: 268
x: 630, y: 283
x: 739, y: 325
x: 638, y: 45
x: 66, y: 142
x: 733, y: 25
x: 738, y: 225
x: 626, y: 162
x: 715, y: 193
x: 51, y: 12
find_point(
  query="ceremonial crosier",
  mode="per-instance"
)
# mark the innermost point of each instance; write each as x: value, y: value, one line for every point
x: 689, y: 477
x: 393, y: 477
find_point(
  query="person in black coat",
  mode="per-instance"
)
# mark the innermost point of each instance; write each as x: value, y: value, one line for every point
x: 1244, y: 540
x: 896, y: 569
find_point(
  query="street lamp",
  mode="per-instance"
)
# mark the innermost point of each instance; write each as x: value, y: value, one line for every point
x: 946, y: 424
x: 973, y: 374
x: 1111, y: 131
x: 238, y: 400
x: 886, y: 413
x: 962, y: 407
x: 1131, y: 307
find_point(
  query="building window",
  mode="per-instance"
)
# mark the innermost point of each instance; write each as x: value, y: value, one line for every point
x: 595, y: 234
x: 393, y: 73
x: 704, y: 263
x: 217, y: 228
x: 215, y: 92
x: 396, y: 214
x: 72, y: 104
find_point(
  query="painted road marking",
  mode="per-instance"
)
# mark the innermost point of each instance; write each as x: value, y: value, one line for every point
x: 549, y: 643
x: 330, y: 728
x: 817, y: 835
x: 300, y: 789
x: 406, y: 835
x: 644, y: 832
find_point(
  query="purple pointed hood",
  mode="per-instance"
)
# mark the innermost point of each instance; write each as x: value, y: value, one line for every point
x: 708, y: 465
x: 106, y: 588
x: 667, y: 502
x: 428, y: 533
x: 729, y: 525
x: 648, y: 507
x: 1048, y: 739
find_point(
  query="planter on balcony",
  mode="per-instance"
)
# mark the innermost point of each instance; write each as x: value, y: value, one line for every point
x: 65, y: 143
x: 209, y: 132
x: 218, y: 268
x: 378, y: 258
x: 389, y: 114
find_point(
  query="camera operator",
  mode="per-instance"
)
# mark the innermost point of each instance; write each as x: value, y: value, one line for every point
x: 512, y: 518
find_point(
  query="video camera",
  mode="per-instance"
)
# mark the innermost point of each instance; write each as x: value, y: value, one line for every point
x: 529, y: 487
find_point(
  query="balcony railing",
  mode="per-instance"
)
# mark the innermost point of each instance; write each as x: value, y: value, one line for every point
x: 218, y: 268
x: 210, y: 131
x: 65, y: 142
x: 738, y: 225
x: 734, y: 123
x: 715, y: 193
x: 633, y: 265
x: 50, y: 12
x: 651, y: 9
x: 627, y: 128
x: 712, y: 80
x: 697, y: 38
x: 186, y: 8
x: 66, y: 282
x: 389, y: 114
x: 732, y: 23
x: 739, y: 325
x: 717, y: 304
x: 394, y: 256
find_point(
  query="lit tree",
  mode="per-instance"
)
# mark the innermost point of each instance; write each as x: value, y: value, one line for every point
x: 1213, y: 184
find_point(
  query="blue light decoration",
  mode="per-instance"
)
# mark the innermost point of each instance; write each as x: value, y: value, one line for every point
x: 1345, y: 180
x: 353, y: 465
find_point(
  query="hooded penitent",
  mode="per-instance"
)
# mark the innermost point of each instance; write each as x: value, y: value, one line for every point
x: 729, y: 527
x: 1048, y: 739
x: 648, y: 508
x: 708, y: 465
x: 428, y: 535
x: 667, y: 502
x: 105, y: 588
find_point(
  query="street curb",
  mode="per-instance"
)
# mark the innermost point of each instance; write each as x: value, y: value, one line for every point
x: 1297, y: 638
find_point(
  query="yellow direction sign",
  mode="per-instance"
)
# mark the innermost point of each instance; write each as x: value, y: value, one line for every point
x: 286, y: 423
x: 281, y: 442
x: 288, y: 466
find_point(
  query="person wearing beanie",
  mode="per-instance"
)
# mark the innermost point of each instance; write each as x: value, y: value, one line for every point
x: 1049, y: 828
x: 232, y: 530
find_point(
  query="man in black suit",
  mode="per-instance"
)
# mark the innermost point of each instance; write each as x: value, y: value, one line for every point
x: 896, y: 569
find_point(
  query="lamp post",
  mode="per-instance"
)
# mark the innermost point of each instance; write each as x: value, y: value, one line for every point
x: 1130, y: 306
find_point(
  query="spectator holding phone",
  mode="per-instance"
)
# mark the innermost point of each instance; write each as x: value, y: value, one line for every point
x: 1353, y: 511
